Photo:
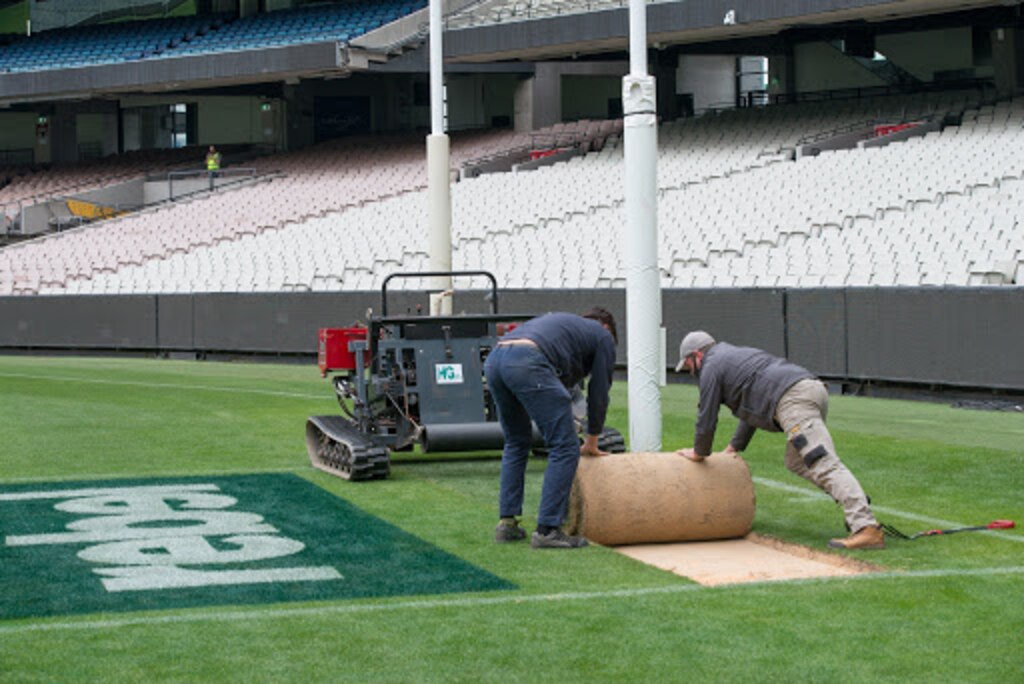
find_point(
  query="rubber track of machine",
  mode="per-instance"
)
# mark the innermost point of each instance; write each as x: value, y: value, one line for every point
x: 335, y: 447
x: 612, y: 441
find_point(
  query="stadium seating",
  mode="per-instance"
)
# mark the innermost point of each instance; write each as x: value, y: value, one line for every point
x: 302, y: 25
x: 103, y: 44
x: 162, y: 38
x: 735, y: 210
x: 26, y: 186
x: 341, y: 174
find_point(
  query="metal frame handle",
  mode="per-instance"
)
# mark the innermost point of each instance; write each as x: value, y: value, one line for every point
x: 430, y: 274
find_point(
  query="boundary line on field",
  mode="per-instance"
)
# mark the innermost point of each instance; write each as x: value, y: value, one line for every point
x: 166, y: 385
x: 481, y: 601
x: 928, y: 520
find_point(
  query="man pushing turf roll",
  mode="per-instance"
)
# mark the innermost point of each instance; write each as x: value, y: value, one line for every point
x: 770, y: 393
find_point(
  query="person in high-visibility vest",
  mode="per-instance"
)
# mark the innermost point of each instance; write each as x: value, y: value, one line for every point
x: 213, y: 160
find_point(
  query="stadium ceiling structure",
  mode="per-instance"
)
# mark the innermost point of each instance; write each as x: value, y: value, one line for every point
x: 689, y: 22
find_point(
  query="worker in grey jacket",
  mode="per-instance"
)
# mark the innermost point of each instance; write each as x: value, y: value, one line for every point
x: 770, y: 393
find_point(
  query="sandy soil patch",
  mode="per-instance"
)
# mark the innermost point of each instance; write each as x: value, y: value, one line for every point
x: 754, y: 558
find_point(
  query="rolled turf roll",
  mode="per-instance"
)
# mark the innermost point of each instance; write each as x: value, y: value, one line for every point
x: 638, y: 498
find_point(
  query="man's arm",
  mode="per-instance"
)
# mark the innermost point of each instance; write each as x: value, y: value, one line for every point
x: 741, y: 438
x: 707, y: 419
x: 599, y: 386
x: 707, y: 414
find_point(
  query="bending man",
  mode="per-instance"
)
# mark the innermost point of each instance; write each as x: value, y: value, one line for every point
x: 770, y: 393
x: 529, y: 374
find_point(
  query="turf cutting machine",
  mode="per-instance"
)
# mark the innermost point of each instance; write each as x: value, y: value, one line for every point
x: 414, y: 379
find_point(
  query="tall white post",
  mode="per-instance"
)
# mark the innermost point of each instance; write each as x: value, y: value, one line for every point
x: 640, y: 241
x: 439, y: 204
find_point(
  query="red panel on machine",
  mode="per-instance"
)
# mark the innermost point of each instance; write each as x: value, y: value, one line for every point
x: 333, y: 352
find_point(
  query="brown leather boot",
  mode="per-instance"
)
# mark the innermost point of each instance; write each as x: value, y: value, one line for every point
x: 870, y: 537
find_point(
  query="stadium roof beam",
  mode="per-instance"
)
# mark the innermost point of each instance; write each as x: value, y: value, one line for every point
x: 214, y: 70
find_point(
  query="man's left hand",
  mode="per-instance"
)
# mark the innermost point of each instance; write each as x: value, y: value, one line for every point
x: 590, y: 447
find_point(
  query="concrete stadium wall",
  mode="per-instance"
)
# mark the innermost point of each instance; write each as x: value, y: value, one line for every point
x: 819, y: 66
x: 916, y: 52
x: 710, y: 79
x: 125, y: 322
x: 17, y: 129
x: 957, y: 337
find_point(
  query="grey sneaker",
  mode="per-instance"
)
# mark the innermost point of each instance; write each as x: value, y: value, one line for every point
x: 556, y: 539
x: 508, y: 530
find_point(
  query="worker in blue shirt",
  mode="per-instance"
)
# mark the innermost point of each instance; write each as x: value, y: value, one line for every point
x: 530, y: 373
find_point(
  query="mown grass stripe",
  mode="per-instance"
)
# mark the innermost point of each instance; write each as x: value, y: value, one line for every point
x: 484, y: 601
x: 90, y: 477
x: 773, y: 484
x: 167, y: 385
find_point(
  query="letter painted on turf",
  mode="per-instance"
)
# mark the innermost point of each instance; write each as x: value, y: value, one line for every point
x: 172, y: 524
x: 145, y: 503
x: 140, y: 578
x: 156, y: 563
x: 148, y: 535
x: 170, y: 490
x: 92, y: 547
x: 191, y: 550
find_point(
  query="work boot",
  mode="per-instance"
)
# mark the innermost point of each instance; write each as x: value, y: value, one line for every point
x: 508, y: 530
x: 556, y: 539
x: 870, y: 537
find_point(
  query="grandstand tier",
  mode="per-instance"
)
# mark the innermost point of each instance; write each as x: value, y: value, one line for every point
x: 736, y: 209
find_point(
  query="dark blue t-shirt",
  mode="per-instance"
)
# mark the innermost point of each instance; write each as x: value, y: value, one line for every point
x: 576, y: 347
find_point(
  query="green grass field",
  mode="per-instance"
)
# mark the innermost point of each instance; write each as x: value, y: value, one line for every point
x: 944, y: 609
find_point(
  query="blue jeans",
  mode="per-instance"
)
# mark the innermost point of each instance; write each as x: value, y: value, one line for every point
x: 525, y: 386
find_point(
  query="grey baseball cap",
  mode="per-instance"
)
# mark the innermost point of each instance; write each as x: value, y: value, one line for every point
x: 694, y: 341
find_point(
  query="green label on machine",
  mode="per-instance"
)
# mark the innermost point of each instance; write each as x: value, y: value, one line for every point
x: 448, y: 373
x: 73, y: 548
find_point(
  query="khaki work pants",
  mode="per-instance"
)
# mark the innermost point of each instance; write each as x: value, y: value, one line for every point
x: 810, y: 453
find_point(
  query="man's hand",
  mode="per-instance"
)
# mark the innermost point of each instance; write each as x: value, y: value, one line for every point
x: 691, y: 454
x: 730, y: 450
x: 590, y: 447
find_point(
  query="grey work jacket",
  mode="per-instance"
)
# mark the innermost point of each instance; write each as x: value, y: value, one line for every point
x: 747, y: 380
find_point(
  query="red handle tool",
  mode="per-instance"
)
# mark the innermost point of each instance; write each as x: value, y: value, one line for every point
x: 994, y: 525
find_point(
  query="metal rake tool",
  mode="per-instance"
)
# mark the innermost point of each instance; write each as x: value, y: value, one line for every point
x: 994, y: 525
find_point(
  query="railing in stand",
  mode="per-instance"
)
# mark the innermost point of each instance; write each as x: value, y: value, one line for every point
x: 230, y: 175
